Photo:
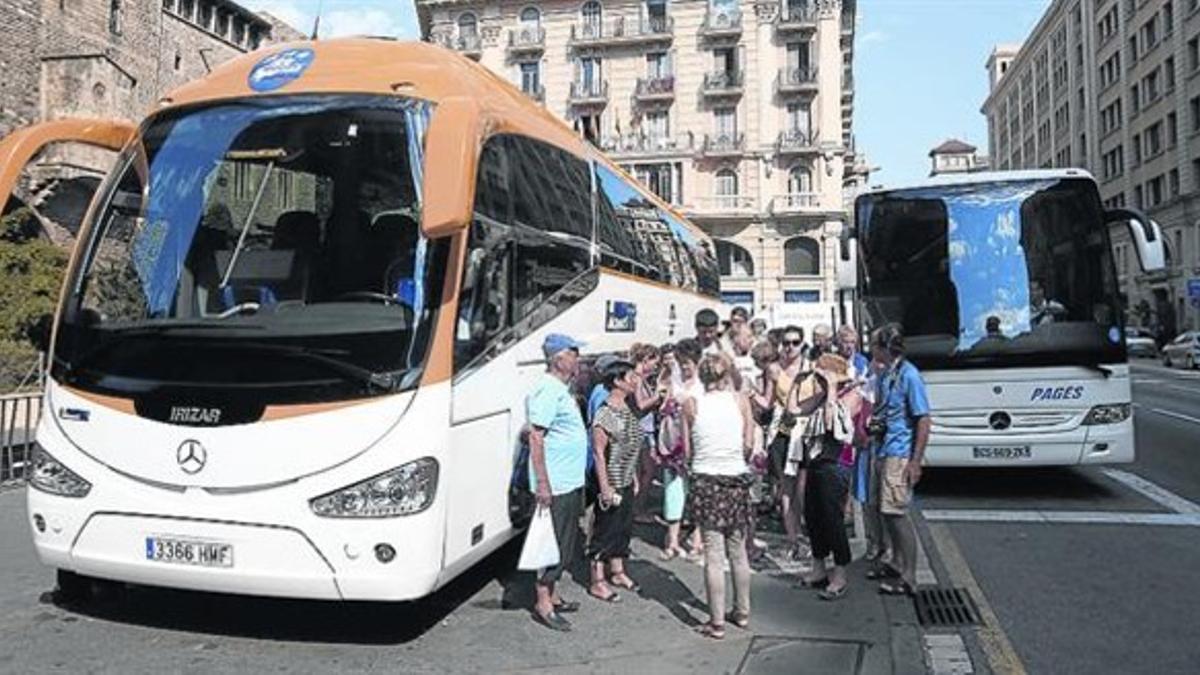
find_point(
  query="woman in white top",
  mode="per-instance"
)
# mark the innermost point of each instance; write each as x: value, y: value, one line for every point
x: 722, y: 433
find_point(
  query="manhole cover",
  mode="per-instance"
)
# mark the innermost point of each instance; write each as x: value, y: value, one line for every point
x: 938, y: 606
x: 787, y: 656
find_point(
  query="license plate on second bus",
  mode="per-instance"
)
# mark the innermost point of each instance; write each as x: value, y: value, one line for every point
x: 1003, y: 452
x: 189, y: 552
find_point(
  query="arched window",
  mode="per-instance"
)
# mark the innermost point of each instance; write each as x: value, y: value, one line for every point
x: 467, y: 25
x: 592, y: 13
x: 801, y: 257
x: 734, y: 261
x: 726, y: 188
x: 530, y: 17
x: 800, y: 180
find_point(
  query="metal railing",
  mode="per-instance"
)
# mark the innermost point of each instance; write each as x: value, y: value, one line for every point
x: 595, y: 90
x: 718, y: 144
x: 795, y: 201
x: 621, y: 30
x: 470, y: 43
x: 722, y: 82
x: 792, y: 18
x: 655, y: 87
x: 795, y: 79
x: 537, y: 93
x: 721, y: 23
x: 796, y: 140
x: 634, y: 143
x: 19, y: 417
x: 721, y: 203
x: 530, y: 37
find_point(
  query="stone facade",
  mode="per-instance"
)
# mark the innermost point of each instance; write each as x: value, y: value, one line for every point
x: 1111, y: 86
x: 737, y: 112
x: 112, y: 58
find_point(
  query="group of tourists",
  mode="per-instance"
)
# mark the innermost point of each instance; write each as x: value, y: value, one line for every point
x: 736, y: 424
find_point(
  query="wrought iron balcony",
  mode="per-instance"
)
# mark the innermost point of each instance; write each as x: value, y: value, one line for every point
x: 723, y: 83
x: 537, y: 93
x: 470, y: 44
x: 529, y: 39
x: 720, y: 204
x: 794, y: 19
x: 723, y: 145
x: 795, y: 142
x: 620, y: 31
x: 795, y: 202
x: 721, y: 24
x: 660, y: 88
x: 796, y: 81
x: 634, y: 144
x: 589, y: 93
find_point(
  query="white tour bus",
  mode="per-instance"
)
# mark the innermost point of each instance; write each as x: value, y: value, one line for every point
x: 1005, y: 286
x: 304, y: 311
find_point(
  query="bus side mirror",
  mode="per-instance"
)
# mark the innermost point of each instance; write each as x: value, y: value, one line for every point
x: 1146, y: 235
x: 847, y: 266
x: 452, y: 144
x: 39, y: 333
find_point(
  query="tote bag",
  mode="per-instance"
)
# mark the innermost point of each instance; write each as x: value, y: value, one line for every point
x: 541, y: 544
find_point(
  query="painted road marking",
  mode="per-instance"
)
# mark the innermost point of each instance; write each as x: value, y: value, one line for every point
x: 1168, y: 413
x: 1153, y: 491
x: 995, y: 643
x: 1062, y: 517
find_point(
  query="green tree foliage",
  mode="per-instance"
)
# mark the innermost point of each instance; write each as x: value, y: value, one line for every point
x: 31, y: 271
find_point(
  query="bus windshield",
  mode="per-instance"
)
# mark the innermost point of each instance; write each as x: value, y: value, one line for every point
x: 268, y: 248
x: 994, y: 274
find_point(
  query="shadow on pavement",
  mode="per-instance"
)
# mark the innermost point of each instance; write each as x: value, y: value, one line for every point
x: 367, y: 623
x: 1001, y: 483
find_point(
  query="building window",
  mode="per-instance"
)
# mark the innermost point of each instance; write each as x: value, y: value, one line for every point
x: 114, y: 17
x: 187, y: 8
x: 1173, y: 183
x: 206, y: 15
x: 531, y: 77
x: 593, y: 14
x: 744, y: 298
x: 727, y: 188
x: 800, y: 184
x: 468, y: 25
x: 725, y: 123
x: 801, y: 257
x: 530, y: 17
x: 733, y: 260
x: 222, y: 27
x: 795, y: 296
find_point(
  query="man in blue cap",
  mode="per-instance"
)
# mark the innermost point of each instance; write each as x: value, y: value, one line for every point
x: 558, y: 449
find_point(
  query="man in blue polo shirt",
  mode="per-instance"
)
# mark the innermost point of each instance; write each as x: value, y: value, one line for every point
x: 558, y: 449
x: 902, y: 414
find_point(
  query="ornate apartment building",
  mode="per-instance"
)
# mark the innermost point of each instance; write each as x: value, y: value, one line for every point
x: 1111, y: 86
x: 738, y: 112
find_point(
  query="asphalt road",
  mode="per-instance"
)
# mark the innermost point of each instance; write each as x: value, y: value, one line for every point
x: 1098, y: 596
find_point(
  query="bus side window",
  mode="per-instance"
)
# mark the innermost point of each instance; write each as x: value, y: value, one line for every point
x: 484, y: 302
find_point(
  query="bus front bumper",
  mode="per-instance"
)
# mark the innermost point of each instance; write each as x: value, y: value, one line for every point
x: 1100, y: 444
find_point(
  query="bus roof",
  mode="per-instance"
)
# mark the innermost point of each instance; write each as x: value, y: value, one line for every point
x: 408, y: 68
x: 951, y: 180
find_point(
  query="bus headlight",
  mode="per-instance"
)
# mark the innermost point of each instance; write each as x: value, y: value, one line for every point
x: 51, y: 476
x: 403, y: 491
x: 1107, y: 414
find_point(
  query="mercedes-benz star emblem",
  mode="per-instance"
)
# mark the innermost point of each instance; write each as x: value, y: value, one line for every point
x: 191, y: 456
x: 1000, y: 421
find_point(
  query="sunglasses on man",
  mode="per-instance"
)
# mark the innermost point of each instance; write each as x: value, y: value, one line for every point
x: 794, y: 343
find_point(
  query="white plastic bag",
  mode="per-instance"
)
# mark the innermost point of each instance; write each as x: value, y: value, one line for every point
x: 541, y: 544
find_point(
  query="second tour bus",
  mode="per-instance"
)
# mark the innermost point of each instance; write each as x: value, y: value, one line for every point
x: 303, y: 312
x: 1005, y: 286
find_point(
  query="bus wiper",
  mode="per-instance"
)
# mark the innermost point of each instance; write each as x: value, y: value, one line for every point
x: 1103, y: 370
x: 386, y: 381
x: 72, y: 367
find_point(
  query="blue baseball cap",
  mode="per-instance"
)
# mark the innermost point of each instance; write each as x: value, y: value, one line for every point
x: 557, y: 342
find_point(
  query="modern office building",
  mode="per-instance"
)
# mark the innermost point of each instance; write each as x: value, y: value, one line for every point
x: 1111, y: 86
x: 738, y: 113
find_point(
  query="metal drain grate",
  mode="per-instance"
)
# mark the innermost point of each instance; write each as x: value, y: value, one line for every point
x: 939, y: 606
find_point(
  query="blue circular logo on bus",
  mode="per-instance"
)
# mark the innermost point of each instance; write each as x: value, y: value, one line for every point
x: 278, y: 69
x: 1114, y: 335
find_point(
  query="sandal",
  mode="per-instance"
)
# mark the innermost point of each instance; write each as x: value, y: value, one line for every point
x: 668, y: 554
x: 883, y: 571
x: 631, y: 586
x: 833, y: 594
x: 613, y: 596
x: 895, y: 588
x: 712, y: 631
x: 823, y: 582
x: 738, y: 619
x: 567, y: 607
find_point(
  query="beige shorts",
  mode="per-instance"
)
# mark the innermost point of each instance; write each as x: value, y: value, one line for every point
x: 894, y: 490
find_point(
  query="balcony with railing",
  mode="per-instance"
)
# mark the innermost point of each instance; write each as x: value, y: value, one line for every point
x: 537, y: 93
x: 723, y: 144
x: 795, y: 202
x: 657, y: 88
x: 723, y: 83
x: 526, y: 40
x: 796, y: 142
x: 622, y: 31
x: 796, y: 81
x: 642, y: 145
x: 721, y: 24
x: 470, y: 44
x: 718, y: 205
x: 795, y: 19
x: 589, y: 93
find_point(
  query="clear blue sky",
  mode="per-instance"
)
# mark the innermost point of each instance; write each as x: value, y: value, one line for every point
x: 920, y: 78
x: 919, y: 65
